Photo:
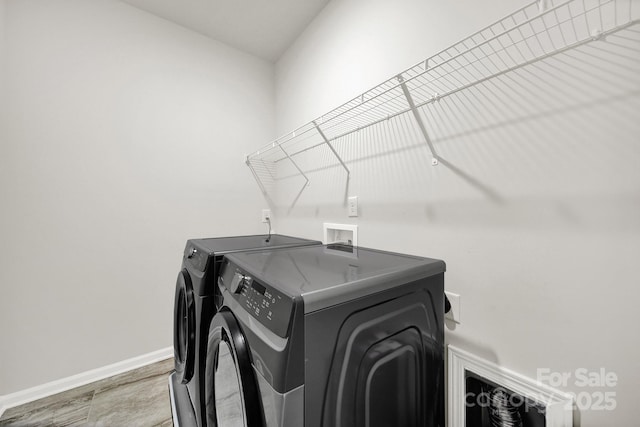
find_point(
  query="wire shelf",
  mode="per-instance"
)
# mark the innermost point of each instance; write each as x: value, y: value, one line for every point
x: 533, y: 33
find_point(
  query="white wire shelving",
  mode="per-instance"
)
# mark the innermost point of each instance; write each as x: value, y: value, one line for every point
x: 537, y: 31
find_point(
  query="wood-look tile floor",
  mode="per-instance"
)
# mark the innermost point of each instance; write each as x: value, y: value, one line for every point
x: 136, y: 398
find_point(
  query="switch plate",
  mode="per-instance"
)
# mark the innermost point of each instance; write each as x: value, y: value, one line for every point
x: 454, y: 313
x: 266, y: 215
x: 352, y: 208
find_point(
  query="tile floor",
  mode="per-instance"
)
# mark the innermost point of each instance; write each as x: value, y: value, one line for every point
x: 135, y: 398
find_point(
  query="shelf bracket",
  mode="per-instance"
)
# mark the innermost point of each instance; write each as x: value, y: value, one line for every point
x: 335, y: 153
x: 542, y: 6
x: 295, y: 165
x: 419, y: 121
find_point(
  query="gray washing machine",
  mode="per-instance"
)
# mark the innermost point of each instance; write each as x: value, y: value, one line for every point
x: 327, y: 336
x: 196, y: 302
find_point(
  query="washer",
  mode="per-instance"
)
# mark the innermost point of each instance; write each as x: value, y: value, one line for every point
x: 331, y: 336
x: 196, y: 299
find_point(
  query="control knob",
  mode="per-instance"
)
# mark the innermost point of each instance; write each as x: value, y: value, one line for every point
x: 238, y: 282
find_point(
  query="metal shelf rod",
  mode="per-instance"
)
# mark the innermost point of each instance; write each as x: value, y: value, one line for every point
x: 326, y: 141
x: 416, y: 115
x: 361, y: 98
x: 531, y: 34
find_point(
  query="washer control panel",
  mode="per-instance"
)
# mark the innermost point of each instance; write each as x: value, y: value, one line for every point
x: 269, y: 306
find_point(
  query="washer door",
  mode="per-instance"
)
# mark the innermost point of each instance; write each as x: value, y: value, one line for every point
x: 184, y: 327
x: 232, y: 394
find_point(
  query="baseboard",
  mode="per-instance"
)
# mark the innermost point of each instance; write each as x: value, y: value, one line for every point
x: 24, y: 396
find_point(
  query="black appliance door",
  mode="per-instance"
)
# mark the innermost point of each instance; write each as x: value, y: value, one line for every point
x: 184, y: 327
x: 232, y: 394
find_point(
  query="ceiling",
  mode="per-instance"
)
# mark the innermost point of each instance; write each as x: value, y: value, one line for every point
x: 265, y: 28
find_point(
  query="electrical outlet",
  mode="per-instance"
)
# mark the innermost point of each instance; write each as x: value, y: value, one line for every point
x: 266, y: 215
x: 454, y: 313
x: 352, y: 208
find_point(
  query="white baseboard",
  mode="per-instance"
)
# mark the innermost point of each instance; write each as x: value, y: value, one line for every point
x: 24, y: 396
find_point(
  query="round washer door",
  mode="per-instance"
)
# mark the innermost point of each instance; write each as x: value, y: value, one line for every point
x: 184, y: 327
x: 232, y: 394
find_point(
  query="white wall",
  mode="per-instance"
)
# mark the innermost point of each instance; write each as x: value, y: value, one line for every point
x: 535, y: 215
x: 2, y: 60
x: 123, y: 136
x: 2, y: 29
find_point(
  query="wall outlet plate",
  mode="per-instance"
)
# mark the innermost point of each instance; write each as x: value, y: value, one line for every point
x: 340, y: 233
x: 454, y: 313
x: 266, y: 215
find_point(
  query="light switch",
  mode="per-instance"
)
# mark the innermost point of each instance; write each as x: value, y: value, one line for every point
x: 352, y: 208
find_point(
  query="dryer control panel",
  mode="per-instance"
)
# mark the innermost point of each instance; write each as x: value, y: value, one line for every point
x: 269, y: 306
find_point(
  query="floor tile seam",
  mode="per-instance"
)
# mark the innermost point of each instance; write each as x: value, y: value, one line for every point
x: 93, y: 396
x: 94, y: 392
x: 53, y: 402
x: 95, y: 388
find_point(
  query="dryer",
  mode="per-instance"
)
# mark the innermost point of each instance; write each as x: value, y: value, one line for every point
x: 327, y: 336
x: 196, y: 300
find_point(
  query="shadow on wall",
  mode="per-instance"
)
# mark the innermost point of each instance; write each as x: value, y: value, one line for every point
x: 560, y: 129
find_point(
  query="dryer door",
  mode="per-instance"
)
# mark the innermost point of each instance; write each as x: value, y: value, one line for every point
x: 184, y: 327
x: 232, y: 394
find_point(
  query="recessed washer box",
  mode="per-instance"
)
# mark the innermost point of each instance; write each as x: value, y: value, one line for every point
x: 340, y: 233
